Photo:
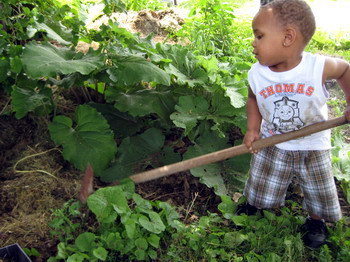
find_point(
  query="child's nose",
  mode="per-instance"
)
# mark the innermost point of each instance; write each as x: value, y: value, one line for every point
x: 254, y: 43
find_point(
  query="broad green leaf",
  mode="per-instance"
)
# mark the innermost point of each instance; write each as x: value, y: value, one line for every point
x: 234, y: 239
x: 86, y: 241
x: 69, y: 81
x: 16, y: 64
x: 152, y: 254
x: 235, y: 171
x: 140, y: 254
x: 141, y: 243
x: 236, y: 91
x: 209, y: 174
x: 114, y: 241
x: 341, y: 163
x: 141, y: 202
x: 227, y: 207
x: 184, y: 66
x: 38, y: 101
x: 170, y: 213
x: 240, y: 220
x: 224, y: 115
x: 237, y: 99
x: 143, y: 102
x: 4, y: 67
x: 99, y: 205
x: 153, y: 224
x: 46, y: 60
x: 154, y: 240
x: 76, y: 258
x: 129, y: 70
x: 169, y: 156
x: 195, y: 77
x: 100, y: 253
x: 121, y: 123
x: 130, y: 227
x: 89, y: 141
x: 133, y: 152
x: 189, y: 111
x: 55, y: 31
x: 103, y: 202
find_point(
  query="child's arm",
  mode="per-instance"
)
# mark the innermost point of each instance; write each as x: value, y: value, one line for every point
x: 339, y: 70
x: 254, y: 122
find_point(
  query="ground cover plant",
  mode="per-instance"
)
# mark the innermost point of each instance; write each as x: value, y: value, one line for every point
x: 136, y: 104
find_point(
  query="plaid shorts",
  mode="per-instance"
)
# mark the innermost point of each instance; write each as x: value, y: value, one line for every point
x: 272, y: 170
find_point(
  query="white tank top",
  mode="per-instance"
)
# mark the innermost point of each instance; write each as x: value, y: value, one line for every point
x: 291, y: 100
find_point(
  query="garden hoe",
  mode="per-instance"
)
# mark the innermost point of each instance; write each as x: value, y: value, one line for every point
x: 215, y: 156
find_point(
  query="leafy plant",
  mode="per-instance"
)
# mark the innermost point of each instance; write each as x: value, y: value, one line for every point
x: 254, y: 238
x: 66, y: 221
x: 341, y: 162
x: 130, y: 226
x: 209, y: 33
x: 90, y: 142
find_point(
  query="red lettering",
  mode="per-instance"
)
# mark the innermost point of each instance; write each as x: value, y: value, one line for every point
x: 263, y: 93
x: 270, y: 91
x: 300, y: 89
x: 278, y: 88
x: 288, y: 88
x: 309, y: 91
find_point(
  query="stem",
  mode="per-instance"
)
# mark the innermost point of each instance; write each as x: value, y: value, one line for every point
x: 38, y: 170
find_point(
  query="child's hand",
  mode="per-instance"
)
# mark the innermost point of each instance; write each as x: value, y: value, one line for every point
x: 249, y: 138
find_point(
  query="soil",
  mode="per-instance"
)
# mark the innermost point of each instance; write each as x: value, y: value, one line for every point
x: 35, y: 179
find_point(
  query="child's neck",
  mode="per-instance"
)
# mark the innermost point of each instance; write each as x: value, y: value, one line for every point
x: 287, y: 64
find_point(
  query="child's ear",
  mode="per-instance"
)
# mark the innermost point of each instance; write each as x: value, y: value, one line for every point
x: 290, y: 35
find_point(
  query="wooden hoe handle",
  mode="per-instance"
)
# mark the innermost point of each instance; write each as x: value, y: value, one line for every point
x: 234, y: 151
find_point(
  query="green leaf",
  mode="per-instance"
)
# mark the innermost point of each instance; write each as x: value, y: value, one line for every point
x: 210, y: 174
x: 16, y: 64
x: 104, y: 201
x: 46, y: 60
x: 227, y: 207
x: 76, y: 258
x: 143, y: 102
x: 31, y: 100
x: 184, y: 65
x: 171, y: 215
x: 121, y: 123
x: 154, y: 240
x: 236, y: 91
x: 141, y: 203
x: 153, y: 224
x: 86, y: 241
x: 234, y: 239
x: 130, y: 227
x: 132, y: 151
x: 4, y: 67
x: 140, y: 254
x: 129, y: 70
x: 90, y: 141
x: 190, y: 110
x: 141, y: 243
x: 55, y: 31
x: 152, y: 254
x: 100, y: 253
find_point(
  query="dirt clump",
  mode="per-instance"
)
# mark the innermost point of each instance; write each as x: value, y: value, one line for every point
x: 145, y: 22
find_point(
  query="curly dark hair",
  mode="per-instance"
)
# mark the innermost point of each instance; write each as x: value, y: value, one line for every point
x: 297, y: 13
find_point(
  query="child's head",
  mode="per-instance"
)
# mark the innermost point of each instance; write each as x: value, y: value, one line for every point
x: 294, y: 13
x: 282, y: 29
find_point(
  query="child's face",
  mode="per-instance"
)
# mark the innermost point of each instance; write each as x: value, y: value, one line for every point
x: 268, y: 38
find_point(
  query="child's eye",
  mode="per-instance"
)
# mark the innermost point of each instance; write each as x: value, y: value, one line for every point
x: 259, y: 37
